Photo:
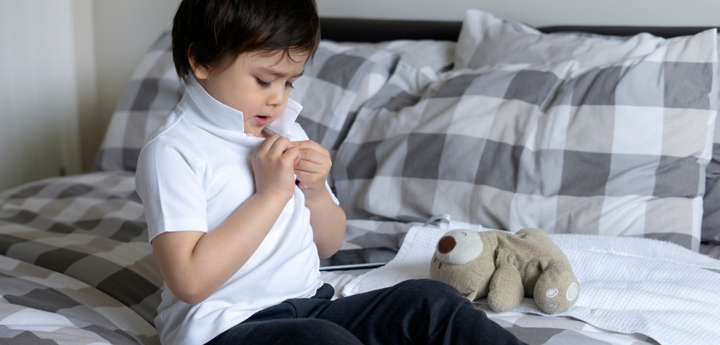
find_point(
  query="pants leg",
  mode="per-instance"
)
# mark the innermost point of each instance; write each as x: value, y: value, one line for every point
x: 286, y: 331
x: 414, y: 312
x: 411, y: 312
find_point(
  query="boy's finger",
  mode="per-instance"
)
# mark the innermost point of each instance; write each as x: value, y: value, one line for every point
x: 281, y: 144
x: 267, y: 144
x: 308, y: 145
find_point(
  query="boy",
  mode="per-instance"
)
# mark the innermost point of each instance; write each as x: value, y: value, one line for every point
x: 238, y: 207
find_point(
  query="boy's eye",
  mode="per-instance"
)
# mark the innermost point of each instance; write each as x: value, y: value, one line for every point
x: 289, y: 84
x: 262, y: 83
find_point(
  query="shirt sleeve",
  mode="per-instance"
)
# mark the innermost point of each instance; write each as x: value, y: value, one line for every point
x: 297, y: 133
x: 168, y: 180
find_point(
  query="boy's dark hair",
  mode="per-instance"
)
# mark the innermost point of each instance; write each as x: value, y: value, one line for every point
x: 210, y: 31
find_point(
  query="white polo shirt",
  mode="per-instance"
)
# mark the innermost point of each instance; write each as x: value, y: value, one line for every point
x: 193, y: 172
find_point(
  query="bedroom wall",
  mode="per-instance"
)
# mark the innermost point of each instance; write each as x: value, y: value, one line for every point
x: 38, y: 93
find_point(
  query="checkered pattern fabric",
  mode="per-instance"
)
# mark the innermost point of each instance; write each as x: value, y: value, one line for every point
x: 619, y: 149
x: 89, y: 227
x: 487, y: 39
x: 334, y: 85
x: 39, y: 306
x: 342, y: 76
x: 711, y: 200
x: 152, y: 94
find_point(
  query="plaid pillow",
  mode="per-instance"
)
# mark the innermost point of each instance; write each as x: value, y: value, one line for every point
x: 152, y: 94
x: 340, y: 78
x: 487, y: 39
x: 617, y: 150
x: 711, y: 200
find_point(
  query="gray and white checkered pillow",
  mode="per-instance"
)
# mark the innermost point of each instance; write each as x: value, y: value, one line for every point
x: 619, y: 149
x: 711, y: 200
x: 487, y: 39
x: 335, y: 83
x: 152, y: 94
x: 342, y: 76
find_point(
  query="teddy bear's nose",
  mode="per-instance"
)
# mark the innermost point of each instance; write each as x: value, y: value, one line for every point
x: 446, y: 244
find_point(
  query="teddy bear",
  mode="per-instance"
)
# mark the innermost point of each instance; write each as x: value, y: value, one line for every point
x: 506, y: 267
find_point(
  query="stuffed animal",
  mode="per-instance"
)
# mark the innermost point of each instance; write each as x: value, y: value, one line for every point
x: 505, y: 268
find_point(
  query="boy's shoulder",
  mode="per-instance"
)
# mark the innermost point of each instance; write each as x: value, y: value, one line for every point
x: 173, y: 134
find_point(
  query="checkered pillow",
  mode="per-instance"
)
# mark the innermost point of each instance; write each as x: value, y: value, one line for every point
x: 152, y: 94
x: 340, y: 78
x: 619, y: 149
x: 711, y: 200
x: 487, y: 39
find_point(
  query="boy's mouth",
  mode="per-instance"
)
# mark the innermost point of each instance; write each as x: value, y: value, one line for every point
x: 262, y: 120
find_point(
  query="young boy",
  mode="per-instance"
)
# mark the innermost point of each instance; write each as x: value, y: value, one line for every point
x: 238, y: 207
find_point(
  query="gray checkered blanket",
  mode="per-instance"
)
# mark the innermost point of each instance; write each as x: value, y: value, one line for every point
x: 88, y: 230
x: 76, y: 268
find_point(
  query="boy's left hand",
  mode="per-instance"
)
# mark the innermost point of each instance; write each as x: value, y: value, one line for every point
x: 312, y: 168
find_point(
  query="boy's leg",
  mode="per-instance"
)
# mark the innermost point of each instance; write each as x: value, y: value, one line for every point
x: 414, y: 312
x: 286, y: 331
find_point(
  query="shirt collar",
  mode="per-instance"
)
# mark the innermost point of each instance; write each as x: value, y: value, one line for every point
x: 225, y: 117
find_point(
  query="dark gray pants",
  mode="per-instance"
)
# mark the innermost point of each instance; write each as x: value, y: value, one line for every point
x: 412, y: 312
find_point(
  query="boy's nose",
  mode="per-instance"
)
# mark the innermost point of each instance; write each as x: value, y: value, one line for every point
x: 276, y: 98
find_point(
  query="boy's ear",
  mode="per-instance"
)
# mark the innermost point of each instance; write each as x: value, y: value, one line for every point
x: 200, y: 71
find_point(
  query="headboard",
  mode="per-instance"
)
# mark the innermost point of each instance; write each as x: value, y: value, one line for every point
x: 378, y: 30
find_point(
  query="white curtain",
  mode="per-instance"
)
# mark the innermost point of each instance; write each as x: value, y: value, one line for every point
x: 38, y: 91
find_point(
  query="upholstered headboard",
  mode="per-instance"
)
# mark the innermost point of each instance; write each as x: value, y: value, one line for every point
x: 378, y: 30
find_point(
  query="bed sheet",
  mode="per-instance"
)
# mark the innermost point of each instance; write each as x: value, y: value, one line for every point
x: 83, y: 241
x: 532, y: 329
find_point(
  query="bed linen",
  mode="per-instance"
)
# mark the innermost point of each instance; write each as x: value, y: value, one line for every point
x: 46, y: 244
x: 637, y: 285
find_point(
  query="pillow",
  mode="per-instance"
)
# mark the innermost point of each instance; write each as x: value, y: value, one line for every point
x: 487, y: 39
x: 151, y: 95
x: 616, y: 149
x: 340, y: 78
x: 711, y: 200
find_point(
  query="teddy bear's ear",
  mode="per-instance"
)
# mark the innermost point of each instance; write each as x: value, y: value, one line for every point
x: 458, y: 247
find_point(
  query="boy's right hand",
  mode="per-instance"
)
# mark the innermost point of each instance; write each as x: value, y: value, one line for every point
x: 273, y: 166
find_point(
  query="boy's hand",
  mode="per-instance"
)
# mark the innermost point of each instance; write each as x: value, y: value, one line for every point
x: 312, y: 168
x: 273, y: 164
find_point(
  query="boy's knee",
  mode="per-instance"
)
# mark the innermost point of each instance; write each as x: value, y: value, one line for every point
x: 425, y: 293
x: 316, y: 331
x: 426, y: 288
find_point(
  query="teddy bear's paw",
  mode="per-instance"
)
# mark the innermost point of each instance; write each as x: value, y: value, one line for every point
x: 556, y: 295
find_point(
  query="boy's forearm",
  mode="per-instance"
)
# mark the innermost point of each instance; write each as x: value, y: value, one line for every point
x: 328, y: 222
x: 196, y: 270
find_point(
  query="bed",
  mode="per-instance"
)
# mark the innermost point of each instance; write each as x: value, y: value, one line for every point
x: 604, y: 137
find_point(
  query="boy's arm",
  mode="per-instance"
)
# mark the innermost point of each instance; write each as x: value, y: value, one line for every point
x: 327, y: 218
x: 328, y: 223
x: 195, y: 264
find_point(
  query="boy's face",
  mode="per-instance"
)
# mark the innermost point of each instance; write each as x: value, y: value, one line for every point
x: 256, y: 84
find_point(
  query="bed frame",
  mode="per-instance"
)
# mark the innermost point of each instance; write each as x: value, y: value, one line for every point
x: 378, y: 30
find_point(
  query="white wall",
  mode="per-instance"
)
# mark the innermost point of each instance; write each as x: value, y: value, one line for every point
x: 38, y: 93
x: 123, y: 31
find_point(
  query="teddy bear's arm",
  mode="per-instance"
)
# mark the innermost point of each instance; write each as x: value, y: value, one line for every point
x: 506, y: 289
